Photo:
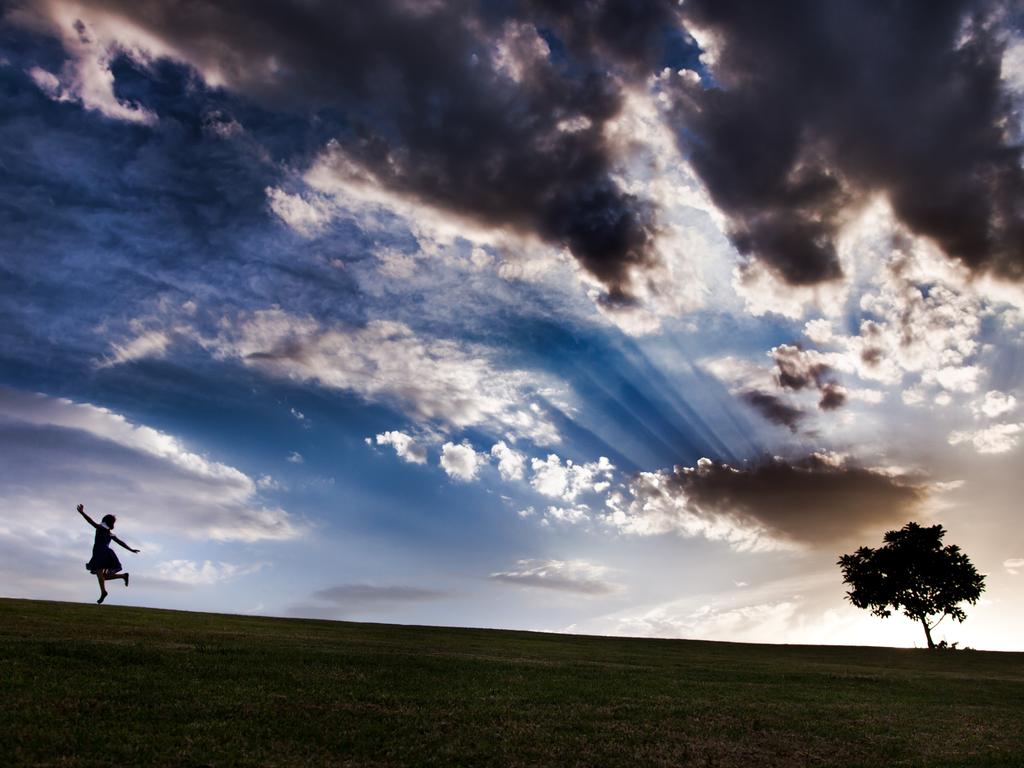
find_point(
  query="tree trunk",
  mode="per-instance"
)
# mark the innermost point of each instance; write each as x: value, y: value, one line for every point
x: 927, y: 633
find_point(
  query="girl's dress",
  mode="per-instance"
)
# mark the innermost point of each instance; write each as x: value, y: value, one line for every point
x: 103, y: 557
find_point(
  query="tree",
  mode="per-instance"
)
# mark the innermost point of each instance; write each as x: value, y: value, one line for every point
x: 914, y: 573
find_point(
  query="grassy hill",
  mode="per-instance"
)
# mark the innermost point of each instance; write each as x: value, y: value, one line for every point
x: 84, y: 685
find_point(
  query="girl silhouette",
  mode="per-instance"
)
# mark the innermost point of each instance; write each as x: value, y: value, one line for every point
x: 104, y: 563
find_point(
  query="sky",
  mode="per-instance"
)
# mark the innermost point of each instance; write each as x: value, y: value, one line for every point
x: 617, y: 317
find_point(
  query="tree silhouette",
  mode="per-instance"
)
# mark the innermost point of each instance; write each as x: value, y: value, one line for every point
x: 914, y: 573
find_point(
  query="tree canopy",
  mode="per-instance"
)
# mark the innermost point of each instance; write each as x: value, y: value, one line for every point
x: 914, y: 573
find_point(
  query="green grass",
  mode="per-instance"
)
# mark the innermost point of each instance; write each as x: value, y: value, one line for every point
x: 84, y: 685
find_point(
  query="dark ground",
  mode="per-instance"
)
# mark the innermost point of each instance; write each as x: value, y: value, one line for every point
x: 85, y: 685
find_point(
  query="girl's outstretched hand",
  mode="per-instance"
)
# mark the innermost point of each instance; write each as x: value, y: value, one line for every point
x: 80, y: 508
x: 136, y: 551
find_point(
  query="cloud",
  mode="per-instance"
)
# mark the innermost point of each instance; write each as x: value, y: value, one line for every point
x: 919, y: 317
x: 529, y: 152
x: 567, y: 481
x: 994, y: 404
x: 764, y: 291
x: 192, y: 573
x: 364, y: 595
x: 795, y: 370
x: 58, y: 452
x: 923, y: 314
x: 305, y: 217
x: 1014, y: 565
x: 404, y: 445
x: 820, y: 500
x: 462, y: 462
x: 574, y: 576
x: 47, y: 82
x: 819, y: 331
x: 692, y: 258
x: 92, y: 46
x: 756, y: 622
x: 799, y: 127
x: 774, y: 409
x: 433, y: 380
x: 573, y: 515
x: 954, y: 378
x: 146, y: 344
x: 798, y: 369
x: 833, y: 396
x: 997, y: 438
x: 268, y: 483
x: 295, y: 458
x: 1012, y: 66
x: 510, y: 461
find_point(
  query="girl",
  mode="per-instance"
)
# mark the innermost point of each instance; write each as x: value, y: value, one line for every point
x: 104, y: 562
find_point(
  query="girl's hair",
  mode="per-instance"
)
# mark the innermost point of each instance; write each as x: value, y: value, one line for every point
x: 109, y: 520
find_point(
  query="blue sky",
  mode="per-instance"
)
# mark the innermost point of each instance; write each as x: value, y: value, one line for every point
x: 505, y: 315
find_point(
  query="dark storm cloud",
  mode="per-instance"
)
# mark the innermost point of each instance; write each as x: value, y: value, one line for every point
x: 632, y: 32
x: 821, y: 104
x: 812, y: 499
x: 798, y: 370
x: 774, y: 409
x: 833, y: 396
x: 425, y: 105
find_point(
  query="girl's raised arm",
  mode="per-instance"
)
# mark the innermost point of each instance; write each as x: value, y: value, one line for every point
x: 89, y: 520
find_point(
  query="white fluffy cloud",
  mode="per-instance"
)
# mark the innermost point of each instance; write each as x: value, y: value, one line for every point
x: 510, y: 461
x: 306, y: 216
x: 819, y: 331
x: 576, y: 576
x: 404, y: 445
x: 954, y: 378
x: 572, y: 514
x: 1014, y: 565
x: 763, y: 293
x: 461, y: 461
x: 994, y: 404
x: 997, y: 438
x: 567, y: 481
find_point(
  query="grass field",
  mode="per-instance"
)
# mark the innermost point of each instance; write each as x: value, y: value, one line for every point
x: 84, y: 685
